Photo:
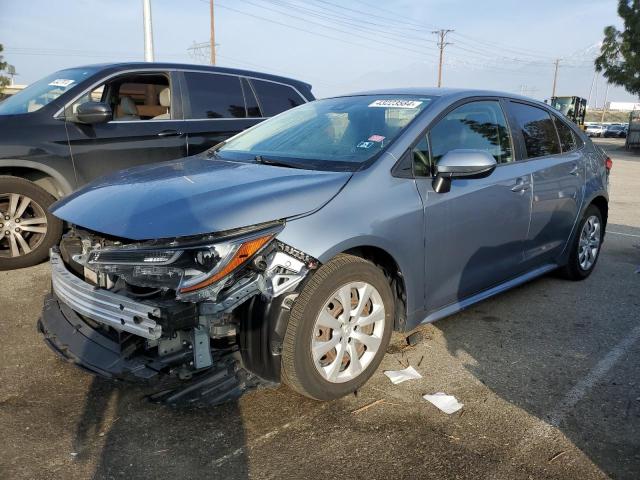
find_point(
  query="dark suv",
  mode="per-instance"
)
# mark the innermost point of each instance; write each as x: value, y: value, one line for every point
x: 81, y: 123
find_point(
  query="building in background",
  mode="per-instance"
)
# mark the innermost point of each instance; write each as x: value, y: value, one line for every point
x: 623, y: 106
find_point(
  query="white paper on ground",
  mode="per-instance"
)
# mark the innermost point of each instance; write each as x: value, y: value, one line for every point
x: 446, y: 403
x: 399, y: 376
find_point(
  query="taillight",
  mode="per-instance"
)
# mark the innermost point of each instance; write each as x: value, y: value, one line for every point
x: 608, y: 164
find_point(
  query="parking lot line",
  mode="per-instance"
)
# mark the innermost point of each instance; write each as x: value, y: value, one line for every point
x: 543, y: 430
x: 625, y: 234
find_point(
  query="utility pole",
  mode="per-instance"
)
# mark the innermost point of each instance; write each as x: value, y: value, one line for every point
x: 604, y: 105
x: 213, y: 34
x: 555, y: 77
x: 442, y: 35
x: 593, y: 82
x: 148, y: 31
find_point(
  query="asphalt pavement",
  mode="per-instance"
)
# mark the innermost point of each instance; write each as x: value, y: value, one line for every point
x: 548, y: 374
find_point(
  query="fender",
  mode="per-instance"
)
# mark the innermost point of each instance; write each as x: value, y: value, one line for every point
x: 63, y: 185
x: 564, y: 256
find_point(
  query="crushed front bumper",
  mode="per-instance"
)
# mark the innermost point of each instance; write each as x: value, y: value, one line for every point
x: 77, y: 342
x: 102, y: 305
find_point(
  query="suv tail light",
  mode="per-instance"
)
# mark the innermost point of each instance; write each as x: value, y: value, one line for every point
x: 608, y: 164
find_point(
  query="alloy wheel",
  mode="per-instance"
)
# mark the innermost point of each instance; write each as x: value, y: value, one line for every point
x: 23, y: 225
x: 589, y: 243
x: 348, y: 332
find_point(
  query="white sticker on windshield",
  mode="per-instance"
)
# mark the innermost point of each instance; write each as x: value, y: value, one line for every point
x: 61, y: 82
x: 396, y: 103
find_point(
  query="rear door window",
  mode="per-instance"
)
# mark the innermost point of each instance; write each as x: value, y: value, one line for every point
x: 214, y: 96
x: 275, y: 98
x: 537, y: 129
x: 567, y: 137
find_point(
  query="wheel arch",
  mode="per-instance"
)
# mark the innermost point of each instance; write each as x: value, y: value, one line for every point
x: 391, y: 268
x: 44, y: 176
x: 602, y: 203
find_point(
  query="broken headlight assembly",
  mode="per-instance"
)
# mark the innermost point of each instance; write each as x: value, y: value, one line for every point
x: 194, y: 268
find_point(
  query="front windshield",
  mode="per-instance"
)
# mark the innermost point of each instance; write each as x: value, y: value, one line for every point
x: 563, y: 104
x: 338, y: 133
x: 44, y: 91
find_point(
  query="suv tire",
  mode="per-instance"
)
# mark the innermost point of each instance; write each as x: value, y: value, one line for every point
x: 321, y: 339
x: 21, y: 203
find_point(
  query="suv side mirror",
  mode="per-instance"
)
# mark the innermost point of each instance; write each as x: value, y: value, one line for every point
x: 460, y: 164
x: 94, y: 112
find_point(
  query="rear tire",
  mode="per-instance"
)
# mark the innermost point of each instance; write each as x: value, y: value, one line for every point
x: 355, y: 340
x: 586, y: 247
x: 28, y: 229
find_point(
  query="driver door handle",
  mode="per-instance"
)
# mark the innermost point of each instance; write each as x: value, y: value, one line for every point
x: 170, y: 133
x: 522, y: 184
x: 575, y: 170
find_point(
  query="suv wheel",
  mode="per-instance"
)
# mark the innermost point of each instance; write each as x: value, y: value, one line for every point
x: 27, y: 229
x: 586, y: 246
x: 339, y: 329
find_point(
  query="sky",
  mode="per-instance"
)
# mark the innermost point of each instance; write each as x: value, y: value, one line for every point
x: 337, y: 46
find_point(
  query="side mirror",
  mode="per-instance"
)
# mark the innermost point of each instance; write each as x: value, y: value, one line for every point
x: 460, y: 164
x: 94, y: 112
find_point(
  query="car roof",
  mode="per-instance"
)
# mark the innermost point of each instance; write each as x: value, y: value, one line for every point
x: 451, y: 93
x: 187, y: 66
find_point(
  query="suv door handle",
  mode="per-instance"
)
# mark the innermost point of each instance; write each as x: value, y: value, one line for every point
x: 522, y: 184
x: 575, y: 170
x: 170, y: 133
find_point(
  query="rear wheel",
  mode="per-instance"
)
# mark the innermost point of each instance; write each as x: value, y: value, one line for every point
x: 586, y: 246
x: 27, y: 229
x: 339, y: 329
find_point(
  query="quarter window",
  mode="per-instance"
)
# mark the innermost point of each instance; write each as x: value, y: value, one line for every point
x: 538, y: 131
x: 420, y: 155
x: 275, y: 97
x: 215, y: 96
x: 567, y: 138
x: 477, y: 125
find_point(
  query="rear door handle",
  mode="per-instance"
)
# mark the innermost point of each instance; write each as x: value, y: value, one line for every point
x: 170, y: 133
x: 522, y: 184
x: 575, y: 170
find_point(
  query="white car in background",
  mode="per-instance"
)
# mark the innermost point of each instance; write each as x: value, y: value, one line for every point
x: 595, y: 130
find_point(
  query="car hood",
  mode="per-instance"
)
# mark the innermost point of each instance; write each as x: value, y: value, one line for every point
x: 196, y: 195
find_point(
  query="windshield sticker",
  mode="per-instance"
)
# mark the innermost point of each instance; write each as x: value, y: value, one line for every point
x: 396, y: 103
x: 61, y: 82
x: 376, y: 138
x: 365, y: 145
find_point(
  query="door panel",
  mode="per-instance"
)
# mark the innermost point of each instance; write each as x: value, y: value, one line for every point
x: 557, y: 197
x: 104, y: 148
x: 475, y: 234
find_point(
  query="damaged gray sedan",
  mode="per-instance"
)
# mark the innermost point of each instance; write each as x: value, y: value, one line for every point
x: 293, y: 250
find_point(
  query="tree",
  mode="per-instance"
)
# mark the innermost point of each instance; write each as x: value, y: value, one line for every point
x: 4, y: 81
x: 619, y: 58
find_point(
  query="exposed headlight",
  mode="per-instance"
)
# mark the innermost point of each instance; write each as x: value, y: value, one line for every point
x: 190, y: 268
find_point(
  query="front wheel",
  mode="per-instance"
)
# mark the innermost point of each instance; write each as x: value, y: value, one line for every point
x: 339, y: 329
x: 27, y: 229
x: 586, y: 246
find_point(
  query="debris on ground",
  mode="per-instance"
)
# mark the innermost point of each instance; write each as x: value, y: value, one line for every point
x: 414, y: 339
x: 557, y: 455
x: 399, y: 376
x: 447, y: 403
x: 367, y: 406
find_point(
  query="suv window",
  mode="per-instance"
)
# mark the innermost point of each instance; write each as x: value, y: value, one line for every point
x: 275, y: 97
x: 420, y: 155
x: 134, y: 96
x: 538, y: 131
x: 214, y: 96
x: 567, y: 138
x: 477, y: 125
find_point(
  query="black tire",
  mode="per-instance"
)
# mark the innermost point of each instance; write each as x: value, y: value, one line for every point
x: 298, y: 369
x: 52, y: 236
x: 572, y: 270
